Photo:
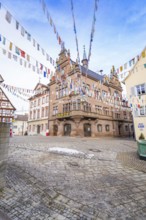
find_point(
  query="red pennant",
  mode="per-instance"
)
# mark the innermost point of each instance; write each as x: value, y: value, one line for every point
x: 22, y: 53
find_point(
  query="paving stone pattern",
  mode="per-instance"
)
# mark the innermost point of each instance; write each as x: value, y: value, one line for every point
x: 41, y: 185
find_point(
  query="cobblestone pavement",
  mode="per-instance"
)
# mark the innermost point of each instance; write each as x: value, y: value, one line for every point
x: 106, y: 181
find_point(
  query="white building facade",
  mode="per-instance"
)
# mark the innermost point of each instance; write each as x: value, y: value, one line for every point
x: 39, y: 111
x: 20, y: 125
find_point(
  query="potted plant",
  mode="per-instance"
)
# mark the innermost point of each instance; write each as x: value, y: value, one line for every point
x: 141, y: 146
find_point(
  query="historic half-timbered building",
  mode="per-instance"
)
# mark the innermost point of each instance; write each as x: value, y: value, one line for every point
x: 6, y: 107
x: 84, y: 103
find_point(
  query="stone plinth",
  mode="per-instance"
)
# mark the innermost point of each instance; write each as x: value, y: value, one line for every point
x: 4, y: 142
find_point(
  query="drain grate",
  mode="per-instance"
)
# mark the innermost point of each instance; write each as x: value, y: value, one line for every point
x: 95, y: 150
x: 73, y: 164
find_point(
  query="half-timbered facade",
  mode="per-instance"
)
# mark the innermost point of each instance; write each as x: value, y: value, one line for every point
x: 6, y: 107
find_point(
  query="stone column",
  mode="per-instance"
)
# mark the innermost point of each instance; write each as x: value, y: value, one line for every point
x: 60, y: 128
x: 4, y: 142
x: 78, y: 127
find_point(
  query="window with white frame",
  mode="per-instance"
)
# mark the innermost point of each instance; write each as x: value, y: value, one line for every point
x: 46, y: 112
x: 106, y: 111
x: 39, y: 101
x: 66, y: 107
x: 142, y: 110
x: 47, y: 99
x: 55, y: 110
x: 104, y: 94
x: 98, y: 109
x: 42, y: 112
x: 43, y: 100
x: 141, y: 89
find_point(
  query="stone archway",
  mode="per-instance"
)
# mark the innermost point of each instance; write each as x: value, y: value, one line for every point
x: 55, y: 130
x: 67, y: 129
x: 87, y: 130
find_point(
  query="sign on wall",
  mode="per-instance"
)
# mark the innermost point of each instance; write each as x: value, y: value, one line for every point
x: 141, y: 126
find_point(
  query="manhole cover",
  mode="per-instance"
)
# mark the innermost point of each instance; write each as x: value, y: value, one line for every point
x: 95, y: 150
x: 73, y: 164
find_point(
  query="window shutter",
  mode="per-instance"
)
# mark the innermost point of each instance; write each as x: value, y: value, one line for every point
x: 132, y: 90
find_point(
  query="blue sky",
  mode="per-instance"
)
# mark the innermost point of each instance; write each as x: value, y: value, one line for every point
x: 120, y: 31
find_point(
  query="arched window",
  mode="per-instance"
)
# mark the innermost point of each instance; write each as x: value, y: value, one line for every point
x: 99, y: 128
x: 107, y: 128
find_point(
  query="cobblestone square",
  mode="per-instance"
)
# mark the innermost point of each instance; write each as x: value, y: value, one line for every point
x: 105, y: 180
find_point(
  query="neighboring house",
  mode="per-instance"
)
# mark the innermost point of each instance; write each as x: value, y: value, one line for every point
x: 39, y: 110
x: 86, y: 103
x: 20, y: 125
x: 136, y: 90
x: 6, y: 107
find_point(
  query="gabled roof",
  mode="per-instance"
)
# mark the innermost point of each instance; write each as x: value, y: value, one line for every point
x: 1, y: 79
x: 92, y: 74
x: 40, y: 85
x: 12, y: 106
x: 21, y: 117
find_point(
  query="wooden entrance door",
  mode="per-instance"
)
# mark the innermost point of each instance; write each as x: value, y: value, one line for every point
x: 38, y: 129
x: 67, y: 129
x: 55, y: 130
x: 87, y: 130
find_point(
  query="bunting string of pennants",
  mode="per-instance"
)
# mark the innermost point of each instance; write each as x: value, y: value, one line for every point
x: 75, y: 32
x: 69, y: 87
x: 51, y: 22
x: 138, y: 105
x: 15, y: 92
x: 91, y: 36
x: 24, y: 59
x: 92, y: 30
x: 18, y: 89
x: 132, y: 62
x: 9, y: 17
